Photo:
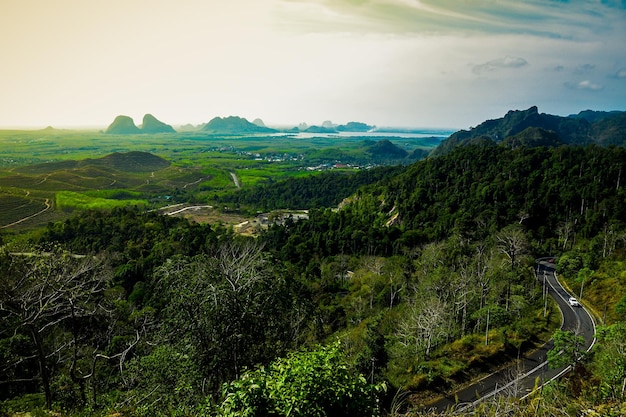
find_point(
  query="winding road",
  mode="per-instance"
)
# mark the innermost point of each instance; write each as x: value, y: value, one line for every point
x: 532, y: 371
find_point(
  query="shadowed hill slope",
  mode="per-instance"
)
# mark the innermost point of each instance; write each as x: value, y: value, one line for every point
x: 128, y: 162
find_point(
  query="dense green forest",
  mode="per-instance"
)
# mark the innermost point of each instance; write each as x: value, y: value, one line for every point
x: 326, y: 189
x: 372, y: 307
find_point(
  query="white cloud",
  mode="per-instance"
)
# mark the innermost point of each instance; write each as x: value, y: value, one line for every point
x: 494, y: 64
x: 621, y: 73
x: 584, y: 85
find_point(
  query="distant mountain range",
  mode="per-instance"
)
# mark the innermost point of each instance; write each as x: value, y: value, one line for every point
x: 328, y: 127
x: 517, y: 128
x: 235, y: 125
x: 231, y: 125
x: 531, y: 128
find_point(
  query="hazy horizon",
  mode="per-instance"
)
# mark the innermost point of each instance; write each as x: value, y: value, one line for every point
x: 393, y: 63
x: 138, y: 119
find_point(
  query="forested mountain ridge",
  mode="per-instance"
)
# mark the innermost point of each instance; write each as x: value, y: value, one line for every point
x: 326, y: 189
x: 536, y: 187
x: 476, y: 190
x: 602, y: 128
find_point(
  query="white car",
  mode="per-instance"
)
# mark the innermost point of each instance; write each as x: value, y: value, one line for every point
x: 573, y: 302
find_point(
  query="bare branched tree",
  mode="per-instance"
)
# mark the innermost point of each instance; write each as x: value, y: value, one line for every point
x: 513, y: 243
x: 55, y: 293
x: 232, y: 307
x: 241, y: 264
x: 565, y: 232
x: 425, y: 325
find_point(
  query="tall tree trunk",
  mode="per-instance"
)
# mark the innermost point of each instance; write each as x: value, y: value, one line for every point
x: 43, y: 369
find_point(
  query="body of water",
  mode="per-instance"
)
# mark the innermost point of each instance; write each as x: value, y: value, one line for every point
x: 412, y: 134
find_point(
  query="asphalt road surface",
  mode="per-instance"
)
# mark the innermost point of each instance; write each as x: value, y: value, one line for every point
x: 532, y: 371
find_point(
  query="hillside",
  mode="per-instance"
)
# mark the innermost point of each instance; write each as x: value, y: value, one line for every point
x: 355, y: 127
x: 132, y: 171
x: 594, y: 115
x: 320, y: 129
x: 152, y: 125
x: 234, y: 125
x: 457, y: 210
x: 531, y: 128
x: 537, y: 187
x: 475, y: 190
x: 326, y: 189
x: 124, y: 125
x: 384, y: 149
x: 128, y: 162
x: 610, y: 130
x: 532, y: 137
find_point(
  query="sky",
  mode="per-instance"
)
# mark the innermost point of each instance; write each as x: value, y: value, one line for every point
x: 403, y: 63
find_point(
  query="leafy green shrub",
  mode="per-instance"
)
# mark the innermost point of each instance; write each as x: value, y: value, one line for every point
x: 27, y: 402
x: 315, y: 383
x: 166, y: 380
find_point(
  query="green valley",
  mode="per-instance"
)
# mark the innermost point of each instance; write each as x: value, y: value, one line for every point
x: 167, y: 168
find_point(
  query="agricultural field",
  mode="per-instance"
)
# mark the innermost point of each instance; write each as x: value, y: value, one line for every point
x: 53, y: 172
x: 16, y: 209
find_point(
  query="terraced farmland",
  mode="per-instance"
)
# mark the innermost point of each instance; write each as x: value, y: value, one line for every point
x: 14, y: 208
x: 118, y: 179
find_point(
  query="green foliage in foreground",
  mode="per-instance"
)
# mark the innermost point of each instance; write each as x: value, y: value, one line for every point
x: 305, y: 384
x: 609, y: 362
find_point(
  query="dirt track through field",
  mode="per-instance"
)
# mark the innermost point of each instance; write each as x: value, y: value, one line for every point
x: 194, y: 183
x: 235, y: 179
x: 47, y: 203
